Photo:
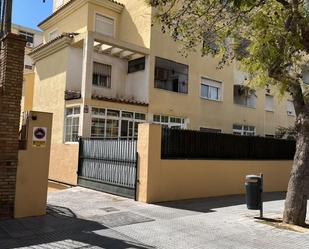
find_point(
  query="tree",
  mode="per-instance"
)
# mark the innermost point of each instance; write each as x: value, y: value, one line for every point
x: 286, y: 132
x: 270, y: 41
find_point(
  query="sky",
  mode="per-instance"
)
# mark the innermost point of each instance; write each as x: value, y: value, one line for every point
x: 31, y: 12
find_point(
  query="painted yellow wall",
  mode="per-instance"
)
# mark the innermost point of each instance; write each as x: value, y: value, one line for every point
x: 207, y: 113
x: 32, y: 171
x: 64, y: 163
x: 135, y: 22
x: 75, y: 22
x: 28, y: 89
x: 49, y: 96
x: 94, y: 9
x: 49, y: 89
x: 166, y: 180
x: 132, y: 25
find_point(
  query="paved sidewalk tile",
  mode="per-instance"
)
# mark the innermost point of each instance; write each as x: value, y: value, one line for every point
x: 83, y: 218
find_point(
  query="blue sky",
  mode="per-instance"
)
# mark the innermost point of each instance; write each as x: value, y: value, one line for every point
x: 30, y: 12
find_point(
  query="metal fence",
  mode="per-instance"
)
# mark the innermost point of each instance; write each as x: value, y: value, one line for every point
x: 108, y: 165
x: 187, y: 144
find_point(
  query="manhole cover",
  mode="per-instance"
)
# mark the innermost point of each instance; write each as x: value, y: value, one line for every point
x: 120, y: 219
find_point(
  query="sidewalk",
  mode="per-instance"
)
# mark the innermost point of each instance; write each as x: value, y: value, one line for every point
x: 82, y: 218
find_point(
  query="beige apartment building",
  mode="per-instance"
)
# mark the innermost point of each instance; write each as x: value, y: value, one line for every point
x: 34, y: 38
x: 104, y: 68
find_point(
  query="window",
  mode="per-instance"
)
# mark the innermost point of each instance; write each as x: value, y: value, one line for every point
x: 101, y: 75
x: 72, y: 124
x: 244, y: 96
x: 290, y: 108
x: 104, y: 25
x: 211, y: 89
x: 136, y: 65
x: 210, y: 130
x: 97, y: 127
x: 29, y: 37
x: 52, y: 35
x: 140, y: 116
x: 269, y: 103
x: 243, y: 130
x: 171, y: 76
x: 169, y: 122
x: 114, y: 123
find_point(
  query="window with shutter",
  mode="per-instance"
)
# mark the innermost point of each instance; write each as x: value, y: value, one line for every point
x: 101, y: 75
x: 269, y: 103
x: 211, y: 89
x: 104, y: 25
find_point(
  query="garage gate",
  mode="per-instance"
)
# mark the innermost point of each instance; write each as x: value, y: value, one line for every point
x: 108, y: 165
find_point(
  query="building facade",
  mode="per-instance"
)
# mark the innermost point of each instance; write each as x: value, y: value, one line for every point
x: 34, y: 38
x: 104, y: 68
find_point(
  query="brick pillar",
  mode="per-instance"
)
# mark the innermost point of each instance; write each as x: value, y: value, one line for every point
x: 11, y: 82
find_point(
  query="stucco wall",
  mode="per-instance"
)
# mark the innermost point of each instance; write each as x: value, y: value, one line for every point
x: 64, y: 163
x: 76, y: 22
x: 135, y: 22
x: 50, y: 84
x: 74, y: 69
x: 119, y: 72
x: 32, y: 171
x: 137, y: 83
x: 28, y: 87
x: 165, y: 180
x: 208, y: 113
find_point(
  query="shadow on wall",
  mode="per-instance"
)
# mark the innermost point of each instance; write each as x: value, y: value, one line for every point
x: 130, y: 27
x: 61, y: 228
x: 207, y: 205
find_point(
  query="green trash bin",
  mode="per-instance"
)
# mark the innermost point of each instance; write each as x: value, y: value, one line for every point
x: 254, y: 191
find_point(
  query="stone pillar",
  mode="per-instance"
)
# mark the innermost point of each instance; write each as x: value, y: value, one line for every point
x: 11, y: 83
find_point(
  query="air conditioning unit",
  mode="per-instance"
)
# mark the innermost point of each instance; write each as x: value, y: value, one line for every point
x: 29, y: 44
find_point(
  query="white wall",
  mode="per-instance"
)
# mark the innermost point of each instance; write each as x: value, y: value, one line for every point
x: 74, y: 69
x: 137, y: 84
x: 239, y: 77
x: 28, y: 60
x: 119, y: 72
x: 38, y: 39
x: 132, y: 86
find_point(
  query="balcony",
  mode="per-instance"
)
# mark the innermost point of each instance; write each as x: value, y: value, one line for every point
x: 119, y: 71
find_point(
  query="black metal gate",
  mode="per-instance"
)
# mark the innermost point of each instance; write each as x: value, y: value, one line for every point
x: 108, y: 165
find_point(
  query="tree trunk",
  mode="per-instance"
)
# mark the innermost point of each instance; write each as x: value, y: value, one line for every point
x: 298, y: 188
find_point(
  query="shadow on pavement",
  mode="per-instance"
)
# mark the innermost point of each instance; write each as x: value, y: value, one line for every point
x: 206, y: 205
x: 61, y: 228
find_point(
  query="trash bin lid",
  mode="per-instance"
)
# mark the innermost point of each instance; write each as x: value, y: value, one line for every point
x: 253, y: 177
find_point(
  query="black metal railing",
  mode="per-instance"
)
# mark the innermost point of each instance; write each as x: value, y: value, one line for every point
x: 187, y: 144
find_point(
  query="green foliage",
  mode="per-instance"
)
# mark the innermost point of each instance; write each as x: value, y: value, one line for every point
x: 286, y: 133
x: 269, y: 38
